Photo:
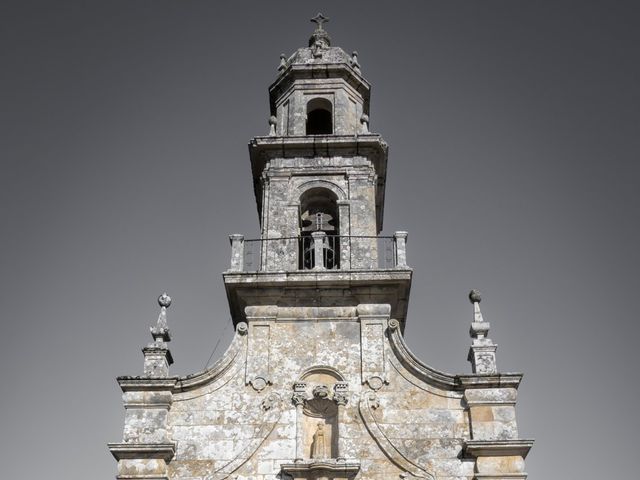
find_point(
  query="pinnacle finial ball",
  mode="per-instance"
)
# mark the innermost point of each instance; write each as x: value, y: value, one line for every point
x: 164, y: 300
x: 474, y: 296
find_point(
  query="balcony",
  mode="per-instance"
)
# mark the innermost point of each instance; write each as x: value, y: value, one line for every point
x: 319, y: 270
x: 318, y: 252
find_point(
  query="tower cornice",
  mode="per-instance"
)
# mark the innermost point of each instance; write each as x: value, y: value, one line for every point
x: 324, y: 71
x: 389, y: 286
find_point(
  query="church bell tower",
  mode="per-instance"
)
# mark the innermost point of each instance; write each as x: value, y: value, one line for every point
x: 318, y: 382
x: 319, y: 180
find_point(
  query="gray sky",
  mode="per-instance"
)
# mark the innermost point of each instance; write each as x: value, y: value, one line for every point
x: 514, y: 141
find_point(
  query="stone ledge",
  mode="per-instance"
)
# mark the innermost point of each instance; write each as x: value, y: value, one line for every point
x: 373, y: 140
x: 501, y: 476
x: 344, y: 288
x: 141, y: 477
x: 321, y: 467
x: 380, y: 275
x: 491, y: 380
x: 128, y: 451
x: 497, y: 448
x: 342, y: 71
x: 130, y: 383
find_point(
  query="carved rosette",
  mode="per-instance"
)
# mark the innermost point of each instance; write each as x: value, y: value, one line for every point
x: 271, y: 401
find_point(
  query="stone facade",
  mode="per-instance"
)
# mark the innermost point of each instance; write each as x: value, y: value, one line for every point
x: 318, y: 382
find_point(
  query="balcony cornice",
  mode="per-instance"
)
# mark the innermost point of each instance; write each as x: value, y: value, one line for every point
x: 324, y: 287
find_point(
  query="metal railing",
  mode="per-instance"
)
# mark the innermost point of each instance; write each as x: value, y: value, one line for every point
x: 318, y: 251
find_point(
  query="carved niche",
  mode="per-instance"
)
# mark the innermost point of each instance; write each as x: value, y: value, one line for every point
x: 320, y: 397
x: 320, y: 418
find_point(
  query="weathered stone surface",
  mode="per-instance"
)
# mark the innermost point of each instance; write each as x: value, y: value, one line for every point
x: 318, y: 382
x: 224, y: 425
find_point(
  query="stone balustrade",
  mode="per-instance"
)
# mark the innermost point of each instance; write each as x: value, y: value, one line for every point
x: 319, y: 251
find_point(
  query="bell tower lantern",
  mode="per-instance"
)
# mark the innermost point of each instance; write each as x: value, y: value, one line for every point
x: 320, y: 90
x: 319, y: 179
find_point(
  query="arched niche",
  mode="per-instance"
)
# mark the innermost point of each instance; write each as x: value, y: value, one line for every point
x: 322, y: 374
x: 319, y: 214
x: 319, y: 117
x: 320, y: 413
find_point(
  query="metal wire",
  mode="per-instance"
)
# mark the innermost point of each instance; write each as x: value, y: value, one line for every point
x: 218, y: 343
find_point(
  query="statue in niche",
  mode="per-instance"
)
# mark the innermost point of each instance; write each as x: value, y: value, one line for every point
x: 319, y: 445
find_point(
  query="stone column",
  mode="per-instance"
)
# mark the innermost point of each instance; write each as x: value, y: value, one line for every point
x: 299, y: 397
x: 341, y: 397
x: 345, y: 240
x: 237, y: 252
x: 400, y: 239
x: 318, y: 250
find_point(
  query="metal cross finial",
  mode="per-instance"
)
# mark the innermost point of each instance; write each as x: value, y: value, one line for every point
x: 319, y: 19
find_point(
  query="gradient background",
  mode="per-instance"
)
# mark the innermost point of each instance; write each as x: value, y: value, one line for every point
x: 514, y: 134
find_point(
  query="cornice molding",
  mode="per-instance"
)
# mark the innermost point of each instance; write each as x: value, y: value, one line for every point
x: 322, y: 466
x: 236, y: 352
x: 497, y: 448
x: 132, y: 451
x: 441, y: 379
x: 140, y: 383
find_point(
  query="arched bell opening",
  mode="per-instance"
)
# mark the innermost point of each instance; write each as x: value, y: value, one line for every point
x: 319, y: 222
x: 319, y: 117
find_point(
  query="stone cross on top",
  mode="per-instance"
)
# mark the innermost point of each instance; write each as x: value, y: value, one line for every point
x: 320, y: 38
x: 319, y: 19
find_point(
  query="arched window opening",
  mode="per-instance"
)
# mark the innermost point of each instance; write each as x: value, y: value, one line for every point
x: 319, y: 213
x: 319, y: 117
